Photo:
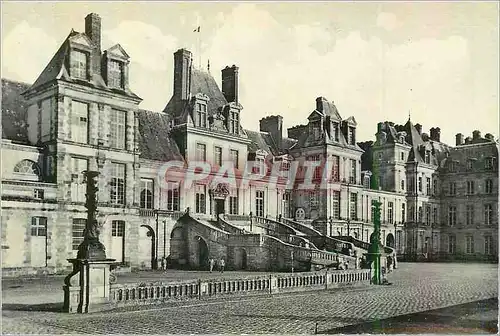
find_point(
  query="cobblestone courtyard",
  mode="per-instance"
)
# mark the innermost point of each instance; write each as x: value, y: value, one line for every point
x: 416, y: 288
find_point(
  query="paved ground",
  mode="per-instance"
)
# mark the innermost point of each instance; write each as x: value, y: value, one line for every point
x: 416, y: 288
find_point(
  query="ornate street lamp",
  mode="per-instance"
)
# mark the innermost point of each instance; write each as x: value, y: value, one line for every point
x: 91, y: 248
x: 374, y: 250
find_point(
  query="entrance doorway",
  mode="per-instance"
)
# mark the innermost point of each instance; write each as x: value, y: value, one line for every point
x: 147, y: 247
x: 202, y: 253
x: 219, y: 206
x: 390, y: 240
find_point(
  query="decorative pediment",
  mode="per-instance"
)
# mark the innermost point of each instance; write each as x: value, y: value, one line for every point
x: 315, y: 115
x: 261, y: 152
x: 81, y: 39
x: 351, y: 121
x: 201, y: 96
x: 220, y: 191
x: 218, y: 122
x: 118, y: 52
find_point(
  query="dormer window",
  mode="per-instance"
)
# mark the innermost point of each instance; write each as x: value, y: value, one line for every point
x: 234, y: 123
x: 115, y: 74
x: 336, y: 131
x: 469, y: 164
x: 201, y: 115
x: 427, y: 157
x: 351, y: 136
x: 316, y: 129
x: 79, y: 64
x: 488, y: 163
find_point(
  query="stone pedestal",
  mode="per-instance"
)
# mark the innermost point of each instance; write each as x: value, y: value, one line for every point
x: 87, y: 288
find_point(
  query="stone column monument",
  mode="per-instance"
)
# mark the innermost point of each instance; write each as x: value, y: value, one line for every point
x: 374, y: 251
x: 87, y: 288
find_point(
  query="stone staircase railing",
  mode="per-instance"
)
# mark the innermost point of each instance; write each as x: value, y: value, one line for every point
x: 157, y: 292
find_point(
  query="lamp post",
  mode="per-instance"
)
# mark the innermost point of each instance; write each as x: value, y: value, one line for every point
x: 374, y: 249
x: 91, y: 248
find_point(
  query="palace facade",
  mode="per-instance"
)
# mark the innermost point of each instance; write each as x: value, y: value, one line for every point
x: 437, y: 201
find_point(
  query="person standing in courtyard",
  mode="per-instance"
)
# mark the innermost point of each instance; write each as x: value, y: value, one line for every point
x: 222, y: 263
x: 211, y: 263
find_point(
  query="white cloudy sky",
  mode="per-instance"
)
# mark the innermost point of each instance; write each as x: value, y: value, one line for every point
x: 364, y: 56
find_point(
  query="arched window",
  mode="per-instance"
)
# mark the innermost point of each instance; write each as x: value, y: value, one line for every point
x: 28, y: 168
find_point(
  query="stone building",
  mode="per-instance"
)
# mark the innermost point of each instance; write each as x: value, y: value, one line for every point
x: 80, y: 114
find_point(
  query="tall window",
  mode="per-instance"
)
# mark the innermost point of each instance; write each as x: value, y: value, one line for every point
x: 352, y: 178
x: 488, y: 214
x: 47, y: 119
x: 452, y: 243
x: 353, y: 206
x: 218, y: 156
x: 469, y: 164
x: 427, y: 157
x: 79, y: 122
x: 335, y: 168
x: 79, y: 64
x: 234, y: 124
x: 435, y: 215
x: 115, y: 74
x: 402, y: 184
x: 201, y: 152
x: 488, y: 163
x: 336, y: 204
x: 117, y: 183
x: 78, y: 187
x: 77, y: 229
x: 201, y: 115
x: 117, y: 228
x: 259, y: 166
x: 259, y: 203
x: 488, y: 245
x: 147, y: 192
x: 488, y: 187
x: 173, y: 201
x: 390, y: 212
x: 402, y: 156
x: 38, y: 226
x: 434, y: 187
x: 469, y: 244
x: 420, y: 214
x: 452, y: 215
x: 200, y: 199
x: 336, y: 131
x: 428, y: 215
x: 234, y: 157
x: 403, y: 209
x: 453, y: 188
x: 233, y: 203
x: 428, y: 186
x: 469, y: 214
x: 117, y: 129
x: 420, y: 183
x: 470, y: 187
x: 285, y: 167
x: 351, y: 136
x: 366, y: 182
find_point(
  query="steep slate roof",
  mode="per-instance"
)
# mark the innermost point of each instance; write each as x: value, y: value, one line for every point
x: 415, y: 140
x: 258, y: 141
x: 56, y: 69
x: 14, y: 108
x: 155, y: 142
x: 201, y: 82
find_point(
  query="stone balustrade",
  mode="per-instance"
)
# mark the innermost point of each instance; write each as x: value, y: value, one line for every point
x: 157, y: 292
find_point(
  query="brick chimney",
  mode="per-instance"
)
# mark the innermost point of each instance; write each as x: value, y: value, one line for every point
x: 296, y: 131
x: 418, y: 127
x: 321, y: 104
x: 230, y: 83
x: 436, y: 134
x: 274, y: 126
x: 182, y: 74
x: 459, y: 139
x: 93, y: 31
x: 468, y: 140
x: 489, y: 136
x: 476, y: 135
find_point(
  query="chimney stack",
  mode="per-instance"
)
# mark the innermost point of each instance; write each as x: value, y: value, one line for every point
x: 489, y: 136
x: 321, y: 104
x: 182, y: 74
x: 230, y: 83
x: 476, y: 135
x: 418, y: 127
x: 274, y: 126
x: 93, y: 31
x: 459, y: 139
x: 436, y: 134
x: 468, y: 140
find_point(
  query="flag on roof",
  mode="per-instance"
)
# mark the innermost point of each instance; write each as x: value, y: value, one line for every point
x: 197, y: 30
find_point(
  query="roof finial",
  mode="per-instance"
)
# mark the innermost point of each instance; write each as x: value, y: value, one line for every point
x: 208, y: 66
